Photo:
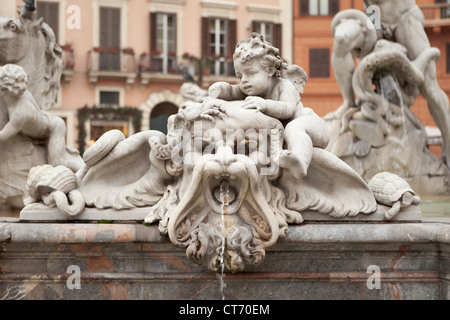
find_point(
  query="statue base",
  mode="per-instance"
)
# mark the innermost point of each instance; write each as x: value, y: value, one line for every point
x: 342, y: 261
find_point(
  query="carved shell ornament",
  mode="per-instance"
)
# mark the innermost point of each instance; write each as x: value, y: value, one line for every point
x: 55, y: 186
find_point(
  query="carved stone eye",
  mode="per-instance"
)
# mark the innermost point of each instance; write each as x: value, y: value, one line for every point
x: 12, y: 27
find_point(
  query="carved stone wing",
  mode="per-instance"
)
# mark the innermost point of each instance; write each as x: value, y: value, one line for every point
x: 126, y: 177
x: 330, y: 187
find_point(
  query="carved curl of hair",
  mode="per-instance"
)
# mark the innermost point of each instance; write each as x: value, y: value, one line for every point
x: 255, y: 47
x: 54, y: 66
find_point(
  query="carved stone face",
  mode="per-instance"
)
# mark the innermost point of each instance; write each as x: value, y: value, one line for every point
x: 254, y: 78
x: 223, y: 198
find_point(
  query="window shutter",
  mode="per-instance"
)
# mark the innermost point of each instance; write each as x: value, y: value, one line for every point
x: 205, y: 37
x: 319, y: 63
x: 277, y: 29
x: 175, y: 31
x: 304, y: 7
x: 334, y: 7
x: 448, y: 56
x: 110, y: 37
x: 232, y: 36
x: 153, y: 31
x: 255, y: 26
x: 50, y: 12
x: 115, y: 28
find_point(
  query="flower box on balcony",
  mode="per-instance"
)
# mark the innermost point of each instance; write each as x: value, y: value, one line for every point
x: 67, y: 47
x: 99, y: 49
x: 128, y: 51
x: 113, y: 50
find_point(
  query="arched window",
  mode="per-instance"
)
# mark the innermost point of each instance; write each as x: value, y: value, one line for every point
x: 160, y: 114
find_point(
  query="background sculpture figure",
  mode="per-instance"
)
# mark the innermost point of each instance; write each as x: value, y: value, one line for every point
x: 29, y: 43
x: 25, y: 117
x: 402, y: 41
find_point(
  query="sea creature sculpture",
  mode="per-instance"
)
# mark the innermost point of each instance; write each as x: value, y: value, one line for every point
x: 391, y: 190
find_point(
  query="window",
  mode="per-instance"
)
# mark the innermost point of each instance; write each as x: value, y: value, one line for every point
x: 270, y: 31
x: 50, y: 12
x: 110, y: 38
x: 101, y: 122
x: 163, y: 41
x: 218, y: 42
x: 319, y: 7
x: 319, y: 63
x: 265, y: 29
x: 111, y: 98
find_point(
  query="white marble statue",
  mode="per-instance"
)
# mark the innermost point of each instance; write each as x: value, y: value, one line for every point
x: 26, y: 118
x: 30, y: 135
x: 227, y: 179
x: 374, y: 129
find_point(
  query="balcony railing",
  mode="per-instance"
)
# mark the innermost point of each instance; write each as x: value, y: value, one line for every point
x: 112, y: 63
x: 436, y: 15
x: 157, y: 62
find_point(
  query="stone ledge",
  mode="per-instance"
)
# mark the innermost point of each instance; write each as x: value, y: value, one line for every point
x: 434, y: 231
x: 38, y: 212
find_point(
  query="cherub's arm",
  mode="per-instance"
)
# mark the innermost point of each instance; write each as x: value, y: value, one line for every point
x: 11, y: 128
x: 225, y: 91
x: 282, y: 103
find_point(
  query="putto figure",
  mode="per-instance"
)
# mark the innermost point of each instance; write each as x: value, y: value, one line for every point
x: 269, y: 86
x: 26, y: 118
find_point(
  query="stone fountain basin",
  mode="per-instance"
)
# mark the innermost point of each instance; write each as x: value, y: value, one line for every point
x: 314, y: 261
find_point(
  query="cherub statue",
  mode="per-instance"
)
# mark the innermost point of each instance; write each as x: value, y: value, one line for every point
x: 268, y: 85
x: 25, y: 117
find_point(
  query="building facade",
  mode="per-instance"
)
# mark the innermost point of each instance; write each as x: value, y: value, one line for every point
x: 125, y: 60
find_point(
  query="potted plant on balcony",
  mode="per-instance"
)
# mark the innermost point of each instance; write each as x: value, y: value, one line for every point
x: 216, y: 56
x: 156, y: 54
x: 229, y: 58
x: 129, y: 51
x: 66, y: 47
x: 99, y: 49
x: 113, y: 50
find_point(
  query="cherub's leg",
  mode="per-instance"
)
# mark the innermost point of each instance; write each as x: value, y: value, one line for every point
x: 302, y: 135
x: 299, y: 151
x: 57, y: 153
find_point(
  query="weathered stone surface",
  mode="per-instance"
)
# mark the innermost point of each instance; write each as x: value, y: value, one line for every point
x: 314, y: 261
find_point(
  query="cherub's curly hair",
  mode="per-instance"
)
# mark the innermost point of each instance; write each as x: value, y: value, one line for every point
x: 255, y: 46
x: 13, y: 77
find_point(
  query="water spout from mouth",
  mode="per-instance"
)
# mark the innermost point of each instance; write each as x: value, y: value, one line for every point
x: 224, y: 195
